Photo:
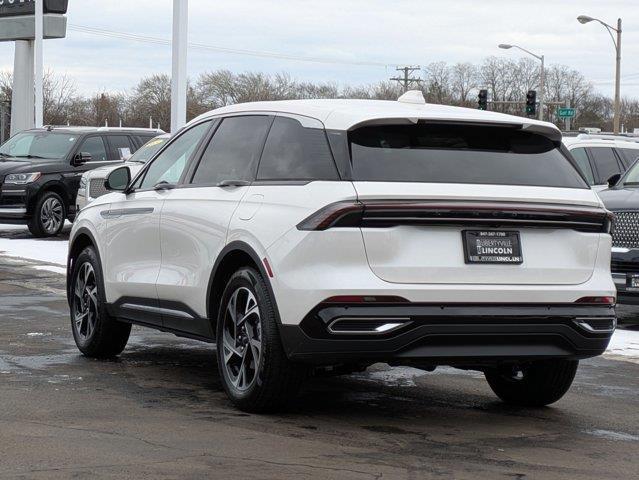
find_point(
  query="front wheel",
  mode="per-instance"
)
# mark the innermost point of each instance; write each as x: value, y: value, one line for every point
x: 535, y: 384
x: 256, y: 374
x: 49, y: 215
x: 96, y: 333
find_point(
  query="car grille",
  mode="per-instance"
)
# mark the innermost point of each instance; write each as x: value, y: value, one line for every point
x: 96, y: 188
x: 625, y: 229
x: 618, y: 266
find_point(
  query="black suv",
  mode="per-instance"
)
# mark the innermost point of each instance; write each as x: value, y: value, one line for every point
x: 40, y: 171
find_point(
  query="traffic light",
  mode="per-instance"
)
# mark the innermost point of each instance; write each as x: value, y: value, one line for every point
x: 531, y: 102
x: 482, y: 99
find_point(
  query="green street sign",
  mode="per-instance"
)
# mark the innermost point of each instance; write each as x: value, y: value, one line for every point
x: 566, y: 112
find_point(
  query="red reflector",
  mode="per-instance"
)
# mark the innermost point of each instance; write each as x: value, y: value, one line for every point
x: 268, y: 267
x: 598, y: 300
x: 365, y: 299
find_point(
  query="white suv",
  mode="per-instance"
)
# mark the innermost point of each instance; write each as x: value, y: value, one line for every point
x: 332, y: 234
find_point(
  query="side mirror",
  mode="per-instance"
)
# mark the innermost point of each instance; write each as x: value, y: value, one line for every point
x: 118, y: 179
x: 612, y: 181
x: 81, y: 158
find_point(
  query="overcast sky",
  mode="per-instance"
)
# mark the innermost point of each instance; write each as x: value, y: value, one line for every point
x: 372, y: 31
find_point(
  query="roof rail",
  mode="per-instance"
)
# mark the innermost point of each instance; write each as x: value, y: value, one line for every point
x: 130, y: 129
x: 608, y: 136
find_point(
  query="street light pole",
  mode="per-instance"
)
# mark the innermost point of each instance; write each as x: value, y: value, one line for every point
x: 617, y: 119
x: 542, y: 75
x: 38, y: 69
x: 583, y: 19
x: 179, y: 79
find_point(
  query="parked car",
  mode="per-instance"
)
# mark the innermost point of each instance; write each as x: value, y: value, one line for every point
x: 92, y: 182
x: 601, y: 157
x: 40, y: 171
x: 623, y: 200
x: 333, y: 234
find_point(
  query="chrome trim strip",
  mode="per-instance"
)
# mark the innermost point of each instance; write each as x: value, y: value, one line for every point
x: 126, y: 211
x: 620, y: 250
x: 619, y: 278
x: 13, y: 192
x: 401, y: 322
x: 158, y: 310
x: 13, y: 211
x: 583, y: 323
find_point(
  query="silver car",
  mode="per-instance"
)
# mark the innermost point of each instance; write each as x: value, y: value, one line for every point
x: 92, y: 182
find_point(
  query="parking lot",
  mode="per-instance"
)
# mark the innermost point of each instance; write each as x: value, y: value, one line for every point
x: 159, y: 411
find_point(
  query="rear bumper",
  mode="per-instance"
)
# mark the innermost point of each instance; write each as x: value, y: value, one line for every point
x: 464, y: 335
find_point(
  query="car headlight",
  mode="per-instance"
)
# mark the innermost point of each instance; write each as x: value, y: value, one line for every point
x: 22, y: 178
x: 83, y: 182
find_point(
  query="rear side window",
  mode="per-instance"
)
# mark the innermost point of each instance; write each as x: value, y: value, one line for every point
x: 293, y: 152
x: 581, y: 157
x: 605, y: 162
x: 121, y: 145
x: 459, y: 154
x: 233, y: 152
x: 95, y: 147
x: 630, y: 154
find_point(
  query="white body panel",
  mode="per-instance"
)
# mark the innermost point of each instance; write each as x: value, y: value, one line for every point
x: 132, y: 254
x: 194, y: 226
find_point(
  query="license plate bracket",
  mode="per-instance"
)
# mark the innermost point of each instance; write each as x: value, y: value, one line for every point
x: 492, y: 247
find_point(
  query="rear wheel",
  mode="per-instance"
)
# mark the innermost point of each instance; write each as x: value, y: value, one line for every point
x: 255, y: 372
x: 95, y: 332
x: 534, y: 384
x: 48, y: 216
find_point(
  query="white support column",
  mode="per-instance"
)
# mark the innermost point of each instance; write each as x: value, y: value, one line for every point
x: 179, y: 79
x: 22, y: 103
x: 39, y: 69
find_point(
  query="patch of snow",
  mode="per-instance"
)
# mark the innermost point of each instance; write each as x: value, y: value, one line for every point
x: 51, y: 253
x: 624, y: 343
x: 37, y: 334
x: 616, y: 436
x: 397, y: 376
x: 52, y: 268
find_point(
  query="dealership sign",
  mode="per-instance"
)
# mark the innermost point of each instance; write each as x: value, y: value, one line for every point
x: 12, y: 8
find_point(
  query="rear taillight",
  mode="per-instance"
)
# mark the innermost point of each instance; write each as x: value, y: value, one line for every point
x: 597, y: 300
x: 340, y: 214
x: 390, y: 213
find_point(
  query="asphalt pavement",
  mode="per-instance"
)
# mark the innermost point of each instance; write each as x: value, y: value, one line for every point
x: 159, y: 412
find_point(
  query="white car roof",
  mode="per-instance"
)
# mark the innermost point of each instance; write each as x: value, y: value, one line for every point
x: 348, y: 114
x: 594, y: 140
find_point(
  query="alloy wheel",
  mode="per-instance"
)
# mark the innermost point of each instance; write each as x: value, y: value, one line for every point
x: 51, y: 215
x: 242, y: 339
x: 85, y: 302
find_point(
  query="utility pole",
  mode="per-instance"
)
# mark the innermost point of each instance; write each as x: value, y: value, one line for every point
x: 406, y: 80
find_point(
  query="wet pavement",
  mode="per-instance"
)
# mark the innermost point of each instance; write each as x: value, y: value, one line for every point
x: 159, y: 412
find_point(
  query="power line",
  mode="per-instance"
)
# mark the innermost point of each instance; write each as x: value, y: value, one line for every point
x: 406, y: 81
x: 218, y: 49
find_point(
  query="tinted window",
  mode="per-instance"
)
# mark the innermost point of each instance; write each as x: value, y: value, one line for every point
x: 95, y: 146
x: 459, y: 154
x: 581, y: 157
x: 39, y: 144
x: 293, y: 152
x: 233, y: 151
x: 630, y: 154
x: 169, y: 165
x: 605, y: 162
x: 121, y: 146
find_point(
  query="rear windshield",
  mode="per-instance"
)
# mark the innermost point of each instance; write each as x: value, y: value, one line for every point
x: 459, y: 154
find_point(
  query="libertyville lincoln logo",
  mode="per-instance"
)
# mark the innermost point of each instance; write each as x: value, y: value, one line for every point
x: 494, y: 246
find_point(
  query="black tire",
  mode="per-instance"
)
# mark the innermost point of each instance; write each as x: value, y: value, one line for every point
x: 96, y: 334
x: 275, y: 379
x: 48, y: 222
x: 536, y: 384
